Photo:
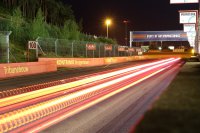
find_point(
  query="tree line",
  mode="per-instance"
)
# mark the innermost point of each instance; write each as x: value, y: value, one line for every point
x: 29, y: 19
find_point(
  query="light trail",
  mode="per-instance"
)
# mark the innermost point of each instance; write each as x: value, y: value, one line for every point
x: 38, y: 93
x: 68, y: 114
x: 29, y: 114
x: 60, y: 93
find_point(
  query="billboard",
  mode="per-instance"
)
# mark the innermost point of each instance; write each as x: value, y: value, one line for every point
x: 32, y: 45
x: 183, y: 1
x: 189, y: 27
x: 108, y: 47
x: 131, y: 49
x: 147, y: 36
x: 121, y: 48
x: 91, y: 46
x: 188, y: 16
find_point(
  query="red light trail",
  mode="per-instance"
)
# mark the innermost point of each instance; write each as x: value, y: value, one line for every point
x: 34, y: 111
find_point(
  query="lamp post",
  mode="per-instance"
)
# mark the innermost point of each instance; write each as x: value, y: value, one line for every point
x: 126, y: 34
x: 108, y: 23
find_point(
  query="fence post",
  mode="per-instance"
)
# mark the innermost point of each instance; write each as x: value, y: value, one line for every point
x: 56, y: 49
x: 72, y: 49
x: 86, y: 50
x: 114, y: 51
x: 100, y: 50
x: 8, y: 50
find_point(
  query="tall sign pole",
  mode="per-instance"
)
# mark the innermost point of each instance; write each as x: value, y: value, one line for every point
x: 198, y: 33
x: 197, y: 42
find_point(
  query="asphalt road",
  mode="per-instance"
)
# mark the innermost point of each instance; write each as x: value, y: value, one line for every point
x: 23, y: 81
x: 119, y: 113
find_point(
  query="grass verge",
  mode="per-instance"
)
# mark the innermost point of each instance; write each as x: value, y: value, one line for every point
x: 178, y: 108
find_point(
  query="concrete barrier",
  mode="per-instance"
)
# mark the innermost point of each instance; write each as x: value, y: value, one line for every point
x: 51, y: 64
x: 75, y: 62
x: 19, y: 69
x: 90, y: 62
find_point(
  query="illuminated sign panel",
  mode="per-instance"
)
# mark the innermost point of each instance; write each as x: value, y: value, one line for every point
x: 146, y: 36
x: 188, y: 17
x: 32, y: 45
x: 91, y: 46
x: 108, y: 47
x: 131, y: 49
x: 121, y: 48
x: 183, y: 1
x: 189, y: 27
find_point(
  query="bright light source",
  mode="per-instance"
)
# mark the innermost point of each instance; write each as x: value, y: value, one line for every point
x: 192, y: 51
x: 171, y: 47
x: 108, y: 22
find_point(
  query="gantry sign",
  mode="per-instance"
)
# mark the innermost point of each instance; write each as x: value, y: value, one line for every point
x: 190, y: 21
x: 161, y: 36
x: 183, y: 1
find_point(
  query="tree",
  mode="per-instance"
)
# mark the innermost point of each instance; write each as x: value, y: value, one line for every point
x: 70, y: 30
x: 16, y: 24
x: 39, y: 26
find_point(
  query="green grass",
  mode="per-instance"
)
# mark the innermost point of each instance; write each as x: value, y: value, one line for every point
x: 17, y: 54
x: 178, y: 108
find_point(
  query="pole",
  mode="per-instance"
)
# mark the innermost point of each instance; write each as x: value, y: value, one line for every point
x: 86, y: 50
x: 107, y: 30
x: 93, y: 53
x: 198, y: 33
x: 126, y: 34
x: 37, y: 50
x: 99, y: 50
x: 8, y: 51
x: 56, y: 47
x: 72, y: 49
x: 131, y: 36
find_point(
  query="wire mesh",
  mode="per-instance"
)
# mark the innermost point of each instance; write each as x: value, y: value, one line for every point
x: 53, y: 47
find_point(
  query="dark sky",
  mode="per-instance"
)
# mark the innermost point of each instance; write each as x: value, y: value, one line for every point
x: 144, y: 15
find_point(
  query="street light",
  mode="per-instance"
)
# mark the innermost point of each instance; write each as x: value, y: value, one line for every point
x: 108, y: 22
x: 126, y: 29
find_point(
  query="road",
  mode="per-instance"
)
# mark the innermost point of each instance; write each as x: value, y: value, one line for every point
x: 119, y: 113
x: 109, y: 101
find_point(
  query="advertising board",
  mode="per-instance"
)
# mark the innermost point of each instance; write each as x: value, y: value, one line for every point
x: 91, y: 46
x: 147, y: 36
x: 131, y: 49
x: 189, y: 27
x: 108, y: 47
x: 188, y: 16
x: 121, y: 48
x: 183, y: 1
x: 32, y: 45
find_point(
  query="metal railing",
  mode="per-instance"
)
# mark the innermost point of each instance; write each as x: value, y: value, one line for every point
x: 53, y: 47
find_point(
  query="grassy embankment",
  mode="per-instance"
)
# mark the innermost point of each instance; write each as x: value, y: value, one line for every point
x: 178, y: 108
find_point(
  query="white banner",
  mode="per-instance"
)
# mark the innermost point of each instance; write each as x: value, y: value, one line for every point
x: 191, y: 37
x: 188, y: 17
x: 183, y: 1
x: 189, y: 27
x: 32, y: 44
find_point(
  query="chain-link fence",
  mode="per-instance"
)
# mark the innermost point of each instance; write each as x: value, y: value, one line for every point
x: 53, y: 47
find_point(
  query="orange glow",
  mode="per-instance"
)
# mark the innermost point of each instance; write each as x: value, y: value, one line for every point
x: 38, y: 93
x: 108, y: 21
x: 49, y: 107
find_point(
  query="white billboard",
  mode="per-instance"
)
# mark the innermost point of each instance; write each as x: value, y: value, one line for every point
x: 188, y: 16
x: 183, y: 1
x: 189, y: 27
x: 191, y: 38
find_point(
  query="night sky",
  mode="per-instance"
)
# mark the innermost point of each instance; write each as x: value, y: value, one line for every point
x: 143, y: 15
